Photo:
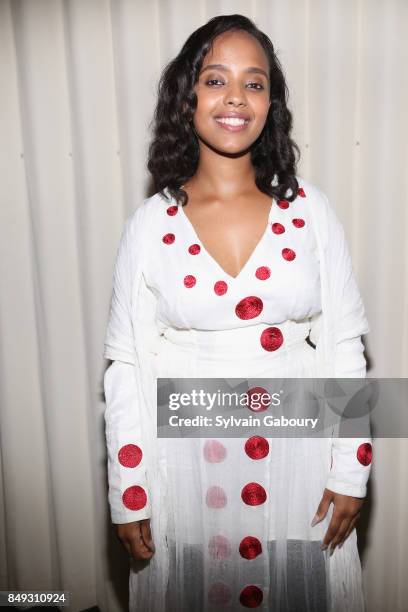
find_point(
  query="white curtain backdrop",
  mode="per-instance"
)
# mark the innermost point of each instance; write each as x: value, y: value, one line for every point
x: 77, y: 90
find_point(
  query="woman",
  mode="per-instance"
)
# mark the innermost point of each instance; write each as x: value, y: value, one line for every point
x: 226, y: 272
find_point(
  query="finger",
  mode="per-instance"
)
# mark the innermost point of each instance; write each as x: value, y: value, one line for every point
x: 147, y: 534
x: 322, y: 508
x: 349, y: 530
x: 332, y: 529
x: 139, y: 550
x: 127, y: 547
x: 341, y: 532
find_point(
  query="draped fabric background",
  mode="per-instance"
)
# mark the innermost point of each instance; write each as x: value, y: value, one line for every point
x: 78, y: 85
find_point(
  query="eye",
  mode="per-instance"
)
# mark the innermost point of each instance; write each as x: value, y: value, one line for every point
x: 258, y: 86
x: 213, y: 81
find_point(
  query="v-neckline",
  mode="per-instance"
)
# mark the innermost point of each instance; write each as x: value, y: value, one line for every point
x: 213, y: 260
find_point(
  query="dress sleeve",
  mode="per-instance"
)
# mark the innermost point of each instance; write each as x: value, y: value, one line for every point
x: 125, y: 413
x: 351, y: 457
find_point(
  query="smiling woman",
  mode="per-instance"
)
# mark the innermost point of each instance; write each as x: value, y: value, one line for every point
x: 225, y: 272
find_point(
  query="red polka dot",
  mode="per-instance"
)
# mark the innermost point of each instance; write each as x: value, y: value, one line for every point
x: 253, y: 494
x: 219, y: 594
x: 220, y: 287
x: 263, y: 273
x: 130, y: 455
x: 249, y: 308
x: 271, y: 339
x: 365, y: 453
x: 216, y: 497
x: 169, y: 238
x: 194, y: 249
x: 251, y: 596
x: 258, y: 399
x: 301, y: 192
x: 288, y: 254
x: 214, y: 451
x: 283, y: 204
x: 189, y: 281
x: 134, y: 498
x: 219, y: 547
x: 172, y: 210
x: 250, y: 547
x: 278, y: 228
x: 298, y: 222
x: 257, y: 447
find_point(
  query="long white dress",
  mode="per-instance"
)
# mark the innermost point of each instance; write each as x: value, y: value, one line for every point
x: 231, y: 518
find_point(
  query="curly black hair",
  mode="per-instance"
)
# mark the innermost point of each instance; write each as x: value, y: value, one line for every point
x: 174, y: 151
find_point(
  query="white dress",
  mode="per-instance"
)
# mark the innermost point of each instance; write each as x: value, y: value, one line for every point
x: 230, y: 517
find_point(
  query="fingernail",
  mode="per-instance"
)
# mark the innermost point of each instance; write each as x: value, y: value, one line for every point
x: 315, y: 520
x: 331, y: 551
x: 323, y: 546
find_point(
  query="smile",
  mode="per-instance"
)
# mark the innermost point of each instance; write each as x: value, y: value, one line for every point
x: 233, y: 124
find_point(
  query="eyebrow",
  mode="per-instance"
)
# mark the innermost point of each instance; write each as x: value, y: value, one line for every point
x: 252, y: 69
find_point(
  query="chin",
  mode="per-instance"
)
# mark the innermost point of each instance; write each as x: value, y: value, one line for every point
x: 231, y: 148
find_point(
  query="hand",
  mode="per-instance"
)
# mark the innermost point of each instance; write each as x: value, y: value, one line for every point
x: 136, y: 537
x: 345, y: 515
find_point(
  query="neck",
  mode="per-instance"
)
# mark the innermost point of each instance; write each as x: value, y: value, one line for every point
x: 224, y: 177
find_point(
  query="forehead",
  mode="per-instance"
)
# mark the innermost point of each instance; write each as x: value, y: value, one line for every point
x: 236, y: 48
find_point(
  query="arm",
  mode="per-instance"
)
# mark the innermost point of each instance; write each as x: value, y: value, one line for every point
x: 125, y: 414
x: 129, y: 498
x: 351, y: 457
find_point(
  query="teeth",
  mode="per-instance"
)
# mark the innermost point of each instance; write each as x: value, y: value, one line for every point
x: 231, y: 120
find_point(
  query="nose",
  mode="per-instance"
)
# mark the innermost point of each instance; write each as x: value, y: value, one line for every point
x: 235, y: 95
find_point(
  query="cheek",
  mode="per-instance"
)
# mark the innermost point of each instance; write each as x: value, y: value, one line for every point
x: 261, y: 108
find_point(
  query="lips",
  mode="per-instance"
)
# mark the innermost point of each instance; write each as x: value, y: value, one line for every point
x: 233, y: 116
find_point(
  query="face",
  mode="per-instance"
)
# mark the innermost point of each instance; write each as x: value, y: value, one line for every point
x: 232, y: 97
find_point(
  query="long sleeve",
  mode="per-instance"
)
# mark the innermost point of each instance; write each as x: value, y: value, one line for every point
x: 129, y: 497
x: 126, y: 414
x: 351, y: 457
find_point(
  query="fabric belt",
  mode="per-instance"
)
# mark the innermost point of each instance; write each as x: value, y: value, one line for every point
x: 242, y: 342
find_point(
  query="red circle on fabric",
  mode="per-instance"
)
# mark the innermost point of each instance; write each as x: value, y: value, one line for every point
x: 365, y: 453
x: 219, y: 594
x: 298, y: 222
x: 271, y: 338
x: 249, y: 307
x: 189, y: 281
x: 220, y: 287
x: 263, y: 272
x: 214, y: 451
x: 253, y: 494
x: 278, y: 228
x: 219, y: 547
x: 257, y: 447
x: 172, y: 210
x: 301, y: 192
x: 283, y: 204
x: 134, y: 498
x: 250, y: 547
x: 130, y: 455
x: 216, y: 497
x: 258, y: 395
x: 169, y: 238
x: 251, y: 596
x: 288, y: 254
x: 194, y: 249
